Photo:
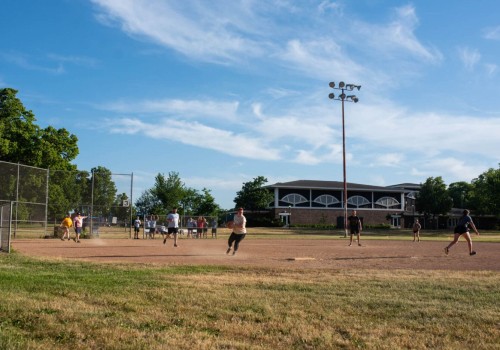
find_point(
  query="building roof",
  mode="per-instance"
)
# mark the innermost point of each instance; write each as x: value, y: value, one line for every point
x: 407, y: 186
x: 331, y: 185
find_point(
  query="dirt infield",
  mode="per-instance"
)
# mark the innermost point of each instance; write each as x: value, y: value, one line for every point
x: 273, y: 253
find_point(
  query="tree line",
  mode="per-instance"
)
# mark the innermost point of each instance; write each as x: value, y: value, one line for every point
x: 481, y: 195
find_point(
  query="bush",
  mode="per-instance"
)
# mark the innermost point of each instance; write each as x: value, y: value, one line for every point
x: 378, y: 227
x: 315, y: 226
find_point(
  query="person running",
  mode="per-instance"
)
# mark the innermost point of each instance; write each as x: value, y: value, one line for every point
x: 78, y: 222
x: 239, y: 231
x: 416, y: 231
x: 462, y: 228
x: 66, y: 224
x: 355, y: 226
x: 173, y: 225
x: 137, y: 227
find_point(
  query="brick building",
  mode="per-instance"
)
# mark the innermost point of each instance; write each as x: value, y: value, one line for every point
x: 321, y: 202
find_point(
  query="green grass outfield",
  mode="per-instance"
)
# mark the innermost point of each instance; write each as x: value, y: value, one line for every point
x: 59, y: 304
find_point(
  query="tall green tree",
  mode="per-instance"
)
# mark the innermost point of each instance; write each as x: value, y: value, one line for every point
x: 207, y: 205
x: 165, y: 194
x: 460, y: 193
x: 433, y: 198
x: 147, y: 203
x: 253, y: 196
x: 170, y: 191
x: 101, y: 191
x: 23, y: 141
x: 485, y: 196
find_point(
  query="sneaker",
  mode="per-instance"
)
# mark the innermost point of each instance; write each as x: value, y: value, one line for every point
x: 78, y: 241
x: 359, y: 244
x: 175, y: 245
x: 228, y: 250
x: 164, y: 240
x: 446, y: 250
x: 234, y: 252
x: 472, y: 253
x: 62, y: 239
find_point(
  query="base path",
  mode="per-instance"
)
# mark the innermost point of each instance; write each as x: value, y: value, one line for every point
x: 273, y: 253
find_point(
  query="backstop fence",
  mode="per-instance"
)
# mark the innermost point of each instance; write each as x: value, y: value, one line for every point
x: 41, y: 198
x: 5, y: 226
x: 26, y: 187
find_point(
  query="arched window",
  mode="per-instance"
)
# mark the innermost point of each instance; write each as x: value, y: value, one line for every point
x: 387, y: 202
x: 326, y: 200
x: 358, y: 201
x: 294, y: 198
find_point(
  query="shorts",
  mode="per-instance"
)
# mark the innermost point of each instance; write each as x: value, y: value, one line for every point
x: 354, y: 230
x: 152, y: 230
x: 136, y: 229
x: 78, y: 230
x: 461, y: 229
x: 173, y: 230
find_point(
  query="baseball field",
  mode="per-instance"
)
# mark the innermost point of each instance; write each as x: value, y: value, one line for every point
x: 282, y: 290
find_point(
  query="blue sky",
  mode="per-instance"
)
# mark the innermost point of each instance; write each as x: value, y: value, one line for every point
x: 225, y: 91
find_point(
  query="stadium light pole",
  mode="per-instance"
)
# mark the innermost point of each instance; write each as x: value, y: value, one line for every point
x: 349, y: 98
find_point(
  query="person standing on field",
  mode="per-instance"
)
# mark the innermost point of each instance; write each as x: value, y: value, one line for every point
x: 137, y: 227
x: 173, y: 225
x: 66, y: 224
x: 239, y: 231
x: 214, y: 228
x: 78, y: 222
x: 462, y: 228
x: 152, y: 226
x: 355, y: 226
x: 416, y: 231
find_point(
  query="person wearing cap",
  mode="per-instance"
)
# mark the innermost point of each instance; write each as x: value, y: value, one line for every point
x: 78, y: 222
x: 239, y: 231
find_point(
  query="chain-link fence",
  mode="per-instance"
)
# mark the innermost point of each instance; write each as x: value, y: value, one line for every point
x: 5, y: 226
x: 27, y: 188
x: 42, y: 198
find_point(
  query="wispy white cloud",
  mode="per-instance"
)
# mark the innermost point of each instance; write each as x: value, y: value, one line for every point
x: 74, y: 60
x: 203, y: 30
x: 185, y: 108
x: 238, y: 31
x: 327, y: 5
x: 194, y: 134
x: 397, y: 38
x: 29, y: 63
x: 491, y: 69
x: 388, y: 160
x: 469, y: 57
x: 492, y: 33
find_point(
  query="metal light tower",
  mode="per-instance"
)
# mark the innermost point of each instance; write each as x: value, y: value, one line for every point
x: 349, y: 98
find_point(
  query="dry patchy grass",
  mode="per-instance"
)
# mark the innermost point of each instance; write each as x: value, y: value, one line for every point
x: 61, y: 305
